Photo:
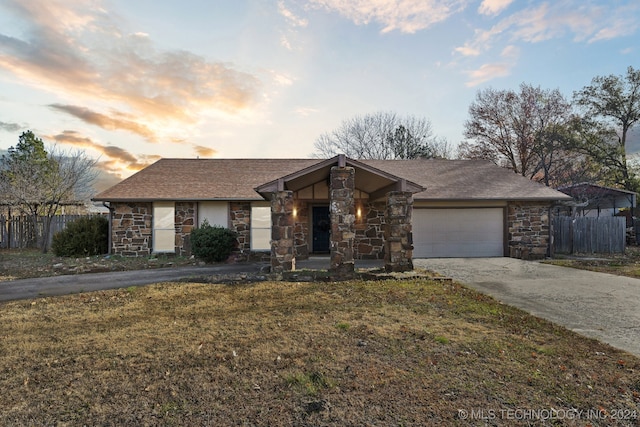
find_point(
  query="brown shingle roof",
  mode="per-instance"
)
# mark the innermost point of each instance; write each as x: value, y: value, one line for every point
x: 202, y: 179
x: 466, y: 180
x: 236, y: 179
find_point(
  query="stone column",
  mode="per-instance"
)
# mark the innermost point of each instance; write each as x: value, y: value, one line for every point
x: 282, y: 232
x: 398, y: 236
x: 343, y: 218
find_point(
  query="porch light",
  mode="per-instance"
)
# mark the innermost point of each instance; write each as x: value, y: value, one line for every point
x: 359, y: 212
x: 295, y: 212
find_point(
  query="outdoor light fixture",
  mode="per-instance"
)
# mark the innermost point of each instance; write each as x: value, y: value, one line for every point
x: 295, y: 212
x: 359, y: 212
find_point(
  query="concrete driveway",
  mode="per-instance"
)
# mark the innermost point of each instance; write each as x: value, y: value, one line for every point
x: 597, y: 305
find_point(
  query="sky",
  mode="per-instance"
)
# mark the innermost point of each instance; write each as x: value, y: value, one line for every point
x: 131, y: 81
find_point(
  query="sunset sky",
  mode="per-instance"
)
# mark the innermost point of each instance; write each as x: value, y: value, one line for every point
x: 130, y: 81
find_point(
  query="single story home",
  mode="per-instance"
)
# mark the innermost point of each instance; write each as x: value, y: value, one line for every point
x: 287, y: 209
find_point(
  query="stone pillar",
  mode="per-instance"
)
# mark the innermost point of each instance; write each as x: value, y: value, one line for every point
x: 282, y: 232
x: 343, y: 218
x: 398, y: 236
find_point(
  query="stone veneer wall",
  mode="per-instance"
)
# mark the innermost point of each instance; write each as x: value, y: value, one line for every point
x: 369, y: 242
x: 343, y: 218
x: 240, y: 217
x: 282, y: 232
x: 398, y: 232
x: 131, y: 229
x: 301, y: 231
x: 185, y: 220
x: 529, y: 230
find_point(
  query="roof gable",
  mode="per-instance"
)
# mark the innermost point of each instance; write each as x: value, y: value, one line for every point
x: 367, y: 178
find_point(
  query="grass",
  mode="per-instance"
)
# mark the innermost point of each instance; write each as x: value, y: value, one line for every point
x: 627, y: 264
x: 412, y: 352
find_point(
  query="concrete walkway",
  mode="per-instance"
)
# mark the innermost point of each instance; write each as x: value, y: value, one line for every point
x: 597, y: 305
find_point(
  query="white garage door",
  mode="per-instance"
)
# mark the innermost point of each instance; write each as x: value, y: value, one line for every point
x: 458, y: 233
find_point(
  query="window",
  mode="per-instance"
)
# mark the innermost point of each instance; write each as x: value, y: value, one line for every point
x: 260, y: 228
x: 216, y: 213
x: 164, y: 231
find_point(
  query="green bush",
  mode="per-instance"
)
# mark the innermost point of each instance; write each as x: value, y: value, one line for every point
x: 213, y: 243
x: 83, y: 237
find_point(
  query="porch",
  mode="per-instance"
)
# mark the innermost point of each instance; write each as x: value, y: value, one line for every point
x: 320, y: 210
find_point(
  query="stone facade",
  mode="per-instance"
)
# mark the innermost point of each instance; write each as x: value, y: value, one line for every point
x: 369, y: 242
x: 301, y: 231
x: 528, y: 230
x: 132, y: 229
x: 185, y: 222
x: 240, y: 219
x: 398, y: 235
x: 381, y: 232
x: 342, y: 213
x: 282, y: 232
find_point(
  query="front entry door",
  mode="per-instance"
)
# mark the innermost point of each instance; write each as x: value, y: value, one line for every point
x: 321, y: 229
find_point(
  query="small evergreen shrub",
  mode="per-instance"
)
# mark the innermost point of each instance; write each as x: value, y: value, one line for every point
x: 213, y: 243
x: 83, y: 237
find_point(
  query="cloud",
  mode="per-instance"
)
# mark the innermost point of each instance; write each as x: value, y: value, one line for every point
x: 583, y: 22
x: 10, y: 127
x: 76, y: 50
x: 406, y: 16
x: 488, y: 72
x: 290, y: 16
x: 493, y: 7
x: 204, y: 151
x: 468, y: 50
x: 305, y: 111
x: 118, y: 160
x: 107, y: 122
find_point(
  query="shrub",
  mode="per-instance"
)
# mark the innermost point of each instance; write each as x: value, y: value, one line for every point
x: 213, y: 243
x: 83, y: 237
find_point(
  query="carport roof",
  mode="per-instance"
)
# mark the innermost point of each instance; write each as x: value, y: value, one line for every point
x: 238, y: 179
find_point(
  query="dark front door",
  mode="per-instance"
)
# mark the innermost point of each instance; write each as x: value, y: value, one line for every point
x: 321, y: 229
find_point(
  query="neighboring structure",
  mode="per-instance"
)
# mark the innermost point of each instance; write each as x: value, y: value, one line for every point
x: 288, y: 209
x: 596, y: 200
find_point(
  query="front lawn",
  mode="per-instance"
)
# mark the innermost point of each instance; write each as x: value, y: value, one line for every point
x: 410, y: 353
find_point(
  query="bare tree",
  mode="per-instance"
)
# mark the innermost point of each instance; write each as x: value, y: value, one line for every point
x: 524, y: 131
x: 38, y: 183
x: 382, y: 135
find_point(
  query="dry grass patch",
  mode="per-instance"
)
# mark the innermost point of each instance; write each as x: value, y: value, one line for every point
x: 355, y: 353
x: 626, y: 264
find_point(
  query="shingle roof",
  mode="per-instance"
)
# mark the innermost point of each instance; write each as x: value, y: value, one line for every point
x: 466, y: 180
x: 236, y: 179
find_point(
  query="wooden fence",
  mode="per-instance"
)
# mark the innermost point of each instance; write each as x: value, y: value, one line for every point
x: 18, y: 232
x: 589, y: 234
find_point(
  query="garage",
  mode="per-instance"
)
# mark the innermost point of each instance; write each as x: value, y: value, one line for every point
x: 458, y: 233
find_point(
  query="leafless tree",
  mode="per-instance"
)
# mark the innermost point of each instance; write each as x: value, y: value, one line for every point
x: 524, y: 131
x: 382, y: 135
